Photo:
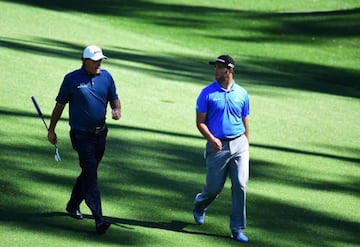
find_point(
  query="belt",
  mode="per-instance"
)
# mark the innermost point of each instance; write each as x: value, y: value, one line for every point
x: 230, y: 139
x: 96, y: 130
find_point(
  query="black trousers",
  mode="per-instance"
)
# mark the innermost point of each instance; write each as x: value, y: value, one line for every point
x: 90, y: 148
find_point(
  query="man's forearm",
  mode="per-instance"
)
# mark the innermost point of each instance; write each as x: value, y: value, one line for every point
x: 55, y: 116
x: 115, y: 104
x: 204, y: 130
x: 247, y: 127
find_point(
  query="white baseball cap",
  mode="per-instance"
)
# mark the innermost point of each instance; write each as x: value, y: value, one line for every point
x: 94, y: 53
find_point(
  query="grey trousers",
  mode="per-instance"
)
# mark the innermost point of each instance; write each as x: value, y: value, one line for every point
x: 233, y: 159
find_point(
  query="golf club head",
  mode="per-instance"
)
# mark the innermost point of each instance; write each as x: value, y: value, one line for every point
x: 57, y: 155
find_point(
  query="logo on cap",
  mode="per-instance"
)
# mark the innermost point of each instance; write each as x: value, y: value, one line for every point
x: 93, y: 52
x: 224, y: 59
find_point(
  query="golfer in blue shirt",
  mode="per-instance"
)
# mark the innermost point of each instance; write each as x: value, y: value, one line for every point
x: 88, y: 91
x: 222, y: 111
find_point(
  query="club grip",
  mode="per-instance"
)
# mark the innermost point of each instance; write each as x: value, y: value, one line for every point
x: 36, y: 106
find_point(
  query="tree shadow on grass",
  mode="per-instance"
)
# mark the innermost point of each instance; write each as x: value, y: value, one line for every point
x: 121, y: 227
x: 282, y: 26
x: 308, y: 227
x: 310, y: 153
x: 196, y: 71
x: 300, y: 75
x: 307, y: 27
x: 252, y: 71
x: 162, y: 177
x: 267, y: 173
x: 293, y: 224
x: 175, y: 15
x: 59, y: 223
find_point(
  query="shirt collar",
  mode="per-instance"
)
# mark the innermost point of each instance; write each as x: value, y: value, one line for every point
x: 84, y: 71
x: 232, y: 88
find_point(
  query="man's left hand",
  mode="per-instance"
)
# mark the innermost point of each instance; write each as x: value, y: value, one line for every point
x: 116, y: 114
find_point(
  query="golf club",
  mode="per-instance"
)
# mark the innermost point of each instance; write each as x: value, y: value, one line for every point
x: 57, y: 155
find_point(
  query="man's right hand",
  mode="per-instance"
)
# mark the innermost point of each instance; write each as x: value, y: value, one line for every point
x: 216, y: 144
x: 52, y: 137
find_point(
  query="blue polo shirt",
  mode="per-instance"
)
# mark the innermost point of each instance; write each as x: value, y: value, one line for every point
x: 224, y: 109
x: 87, y: 96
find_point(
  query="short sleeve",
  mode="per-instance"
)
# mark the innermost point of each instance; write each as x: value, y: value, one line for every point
x: 63, y: 96
x: 201, y: 102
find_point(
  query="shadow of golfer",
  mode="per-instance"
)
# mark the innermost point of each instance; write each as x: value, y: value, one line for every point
x: 174, y: 225
x: 129, y: 224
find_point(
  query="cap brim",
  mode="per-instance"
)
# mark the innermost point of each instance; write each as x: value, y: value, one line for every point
x: 97, y: 58
x: 213, y: 63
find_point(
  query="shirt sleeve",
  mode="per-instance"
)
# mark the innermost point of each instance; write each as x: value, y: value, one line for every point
x: 63, y: 96
x: 246, y: 108
x: 201, y: 103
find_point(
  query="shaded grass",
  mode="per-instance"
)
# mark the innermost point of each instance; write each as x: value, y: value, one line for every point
x: 142, y: 187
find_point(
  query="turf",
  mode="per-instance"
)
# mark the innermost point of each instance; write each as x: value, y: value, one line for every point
x: 298, y: 60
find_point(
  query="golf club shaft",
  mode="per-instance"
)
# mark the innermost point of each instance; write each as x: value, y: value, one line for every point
x: 40, y: 113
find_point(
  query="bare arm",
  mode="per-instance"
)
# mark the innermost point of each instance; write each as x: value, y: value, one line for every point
x: 55, y: 116
x: 204, y: 130
x: 116, y: 109
x: 247, y: 127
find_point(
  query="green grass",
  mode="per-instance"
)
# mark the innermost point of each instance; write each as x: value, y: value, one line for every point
x: 298, y: 60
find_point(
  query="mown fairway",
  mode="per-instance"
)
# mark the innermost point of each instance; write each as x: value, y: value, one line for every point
x: 299, y: 60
